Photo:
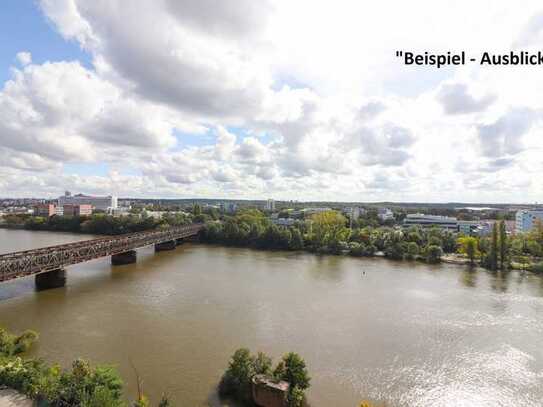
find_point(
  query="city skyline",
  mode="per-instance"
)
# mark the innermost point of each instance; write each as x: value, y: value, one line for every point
x: 257, y: 100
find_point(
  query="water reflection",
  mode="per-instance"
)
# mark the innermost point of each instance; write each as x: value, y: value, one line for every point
x: 468, y: 276
x: 499, y: 281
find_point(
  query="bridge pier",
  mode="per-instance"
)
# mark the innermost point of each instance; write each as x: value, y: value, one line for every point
x: 51, y: 279
x: 169, y: 245
x: 128, y: 257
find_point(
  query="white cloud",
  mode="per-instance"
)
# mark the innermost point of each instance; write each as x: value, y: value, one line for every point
x: 301, y: 100
x: 24, y: 58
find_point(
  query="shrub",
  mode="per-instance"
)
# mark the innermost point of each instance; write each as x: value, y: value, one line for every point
x: 433, y: 254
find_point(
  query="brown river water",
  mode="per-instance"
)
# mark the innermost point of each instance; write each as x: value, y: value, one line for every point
x: 408, y: 334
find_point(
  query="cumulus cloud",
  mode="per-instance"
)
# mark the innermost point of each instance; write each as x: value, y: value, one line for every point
x: 532, y: 32
x: 505, y: 136
x: 456, y: 99
x: 63, y: 111
x: 220, y: 18
x: 24, y: 58
x: 242, y: 99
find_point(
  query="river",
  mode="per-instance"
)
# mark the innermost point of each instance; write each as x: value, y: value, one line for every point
x: 408, y: 334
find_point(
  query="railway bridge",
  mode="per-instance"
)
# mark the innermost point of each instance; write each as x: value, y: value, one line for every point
x: 48, y: 264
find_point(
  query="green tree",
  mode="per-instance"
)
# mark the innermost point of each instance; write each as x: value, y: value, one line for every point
x: 196, y: 209
x: 261, y: 364
x: 329, y: 227
x: 433, y: 254
x: 11, y: 345
x: 413, y: 250
x: 468, y: 246
x: 295, y: 397
x: 295, y: 371
x: 236, y: 381
x: 493, y: 254
x: 395, y: 246
x: 296, y: 240
x: 504, y: 245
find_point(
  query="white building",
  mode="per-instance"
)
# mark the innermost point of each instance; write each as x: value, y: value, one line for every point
x: 102, y: 203
x: 425, y: 221
x: 526, y: 219
x: 385, y: 214
x: 270, y: 205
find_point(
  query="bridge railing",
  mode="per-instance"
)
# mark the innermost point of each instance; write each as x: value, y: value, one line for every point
x: 18, y: 264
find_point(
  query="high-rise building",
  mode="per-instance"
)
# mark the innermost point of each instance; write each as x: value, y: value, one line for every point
x: 525, y: 219
x: 270, y: 205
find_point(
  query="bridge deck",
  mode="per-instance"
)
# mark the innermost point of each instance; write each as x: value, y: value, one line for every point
x: 28, y: 262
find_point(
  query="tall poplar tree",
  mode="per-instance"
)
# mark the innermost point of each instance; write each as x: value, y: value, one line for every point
x: 494, y: 248
x: 503, y: 245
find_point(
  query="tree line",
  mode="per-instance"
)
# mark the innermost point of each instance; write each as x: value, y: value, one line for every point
x: 328, y: 232
x: 100, y: 224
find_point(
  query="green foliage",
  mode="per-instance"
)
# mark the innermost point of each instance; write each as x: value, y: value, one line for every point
x: 236, y: 381
x: 80, y: 386
x: 295, y: 371
x: 328, y: 228
x: 503, y: 245
x: 493, y: 255
x: 295, y: 397
x: 261, y: 364
x: 296, y: 240
x: 413, y: 250
x: 469, y: 246
x: 433, y: 254
x: 395, y: 246
x: 242, y: 367
x: 11, y: 345
x: 326, y: 233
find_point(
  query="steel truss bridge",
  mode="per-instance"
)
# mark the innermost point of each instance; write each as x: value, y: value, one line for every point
x: 51, y: 258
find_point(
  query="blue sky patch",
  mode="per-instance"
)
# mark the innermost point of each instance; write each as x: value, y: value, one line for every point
x: 23, y: 27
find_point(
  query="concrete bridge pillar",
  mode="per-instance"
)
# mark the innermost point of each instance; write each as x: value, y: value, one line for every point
x: 169, y: 245
x: 51, y: 279
x: 128, y: 257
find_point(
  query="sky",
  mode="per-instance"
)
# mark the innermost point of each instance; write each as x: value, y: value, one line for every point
x: 295, y: 100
